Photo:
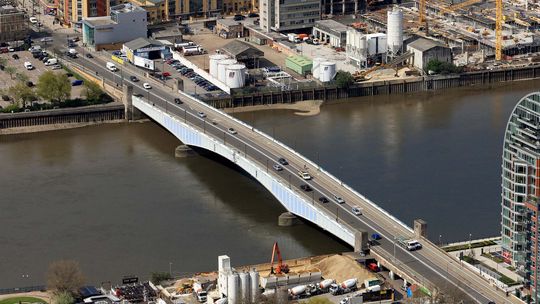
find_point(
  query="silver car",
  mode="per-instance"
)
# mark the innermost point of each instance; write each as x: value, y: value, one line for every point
x: 339, y: 199
x: 277, y: 167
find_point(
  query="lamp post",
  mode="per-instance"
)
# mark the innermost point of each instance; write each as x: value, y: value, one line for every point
x: 440, y: 242
x: 170, y: 269
x: 470, y: 240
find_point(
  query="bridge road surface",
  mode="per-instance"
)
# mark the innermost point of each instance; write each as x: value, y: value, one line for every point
x: 430, y: 263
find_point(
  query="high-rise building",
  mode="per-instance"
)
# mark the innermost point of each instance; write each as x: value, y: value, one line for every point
x: 288, y: 15
x: 521, y: 189
x: 73, y: 11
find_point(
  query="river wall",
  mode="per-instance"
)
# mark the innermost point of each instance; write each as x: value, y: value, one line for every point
x: 398, y: 86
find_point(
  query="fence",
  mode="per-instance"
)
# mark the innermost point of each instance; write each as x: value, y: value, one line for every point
x: 23, y: 289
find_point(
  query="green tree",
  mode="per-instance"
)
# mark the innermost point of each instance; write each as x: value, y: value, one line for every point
x: 344, y: 79
x: 158, y: 277
x: 442, y: 67
x: 22, y: 77
x: 92, y: 91
x: 21, y: 93
x: 54, y: 87
x: 10, y: 70
x: 63, y: 298
x: 64, y: 276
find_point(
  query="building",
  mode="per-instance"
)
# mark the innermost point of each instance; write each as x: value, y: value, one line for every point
x: 299, y: 64
x: 239, y: 6
x: 228, y: 28
x: 49, y: 6
x: 172, y: 35
x: 72, y: 12
x: 126, y: 22
x: 425, y: 50
x: 13, y: 24
x: 343, y: 7
x: 288, y: 15
x: 243, y: 52
x: 145, y: 48
x: 166, y: 10
x: 364, y: 50
x: 330, y: 31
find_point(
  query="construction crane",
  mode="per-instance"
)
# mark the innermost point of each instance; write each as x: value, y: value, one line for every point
x: 422, y: 21
x: 498, y: 29
x: 280, y: 268
x: 460, y: 5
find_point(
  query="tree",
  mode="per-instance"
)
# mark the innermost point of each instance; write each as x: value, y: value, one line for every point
x: 92, y: 91
x: 64, y: 276
x: 344, y: 79
x: 63, y: 298
x: 21, y: 93
x: 158, y: 277
x: 54, y: 87
x: 441, y: 67
x: 10, y: 70
x: 22, y: 77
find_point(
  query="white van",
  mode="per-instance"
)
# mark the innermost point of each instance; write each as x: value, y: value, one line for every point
x: 33, y: 20
x: 28, y: 65
x: 112, y: 67
x: 34, y: 49
x: 51, y: 61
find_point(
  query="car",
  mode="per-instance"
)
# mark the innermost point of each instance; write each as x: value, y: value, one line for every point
x: 56, y: 67
x: 76, y: 82
x: 201, y: 114
x: 166, y: 74
x: 232, y: 131
x: 323, y: 200
x: 46, y: 39
x: 306, y: 187
x: 277, y: 167
x: 376, y: 236
x: 373, y: 267
x: 239, y: 17
x: 88, y: 55
x: 147, y: 86
x: 28, y: 65
x: 283, y: 161
x: 33, y: 20
x: 133, y: 78
x: 339, y: 199
x: 6, y: 98
x: 356, y: 210
x: 304, y: 175
x: 75, y: 39
x: 15, y: 56
x: 11, y: 50
x: 344, y: 301
x: 253, y: 15
x: 178, y: 101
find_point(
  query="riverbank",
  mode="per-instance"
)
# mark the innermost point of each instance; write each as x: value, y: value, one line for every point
x: 301, y: 108
x: 53, y: 127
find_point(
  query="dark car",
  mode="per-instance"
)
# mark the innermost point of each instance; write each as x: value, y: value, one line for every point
x: 239, y: 17
x: 323, y: 200
x: 5, y: 98
x: 306, y: 188
x: 88, y: 55
x: 133, y: 78
x: 253, y: 15
x: 15, y: 56
x: 178, y: 101
x: 36, y: 55
x: 283, y: 161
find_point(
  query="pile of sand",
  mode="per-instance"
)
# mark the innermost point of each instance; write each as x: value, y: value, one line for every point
x: 340, y: 268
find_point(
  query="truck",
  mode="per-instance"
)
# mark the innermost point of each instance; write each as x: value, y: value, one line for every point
x: 298, y: 292
x: 199, y: 292
x: 111, y: 67
x: 409, y: 244
x: 324, y: 285
x: 345, y: 287
x: 372, y: 284
x: 51, y: 61
x: 192, y: 50
x: 293, y: 38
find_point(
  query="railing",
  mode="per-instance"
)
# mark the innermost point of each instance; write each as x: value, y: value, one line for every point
x: 23, y: 289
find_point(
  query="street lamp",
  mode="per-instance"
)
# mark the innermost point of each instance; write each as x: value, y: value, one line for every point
x: 170, y: 269
x: 470, y: 240
x: 440, y: 243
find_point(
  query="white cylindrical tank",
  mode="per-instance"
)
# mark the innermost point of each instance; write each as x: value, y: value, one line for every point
x: 315, y: 69
x: 394, y: 32
x: 214, y: 59
x: 222, y: 66
x: 245, y: 287
x: 233, y: 283
x: 254, y: 280
x: 235, y: 75
x: 327, y: 71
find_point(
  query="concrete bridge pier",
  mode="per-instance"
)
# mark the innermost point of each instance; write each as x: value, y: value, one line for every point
x: 287, y: 219
x: 361, y: 241
x: 132, y: 113
x: 183, y: 151
x: 178, y: 85
x: 391, y: 275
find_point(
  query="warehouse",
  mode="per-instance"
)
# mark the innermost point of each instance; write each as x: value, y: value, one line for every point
x: 299, y: 64
x: 145, y: 48
x: 243, y: 52
x: 330, y: 31
x: 228, y: 28
x: 425, y: 50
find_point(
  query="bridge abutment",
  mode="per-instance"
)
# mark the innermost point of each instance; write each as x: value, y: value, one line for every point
x: 287, y: 219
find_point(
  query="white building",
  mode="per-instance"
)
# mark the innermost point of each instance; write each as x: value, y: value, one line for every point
x: 364, y: 47
x: 286, y: 15
x: 331, y: 32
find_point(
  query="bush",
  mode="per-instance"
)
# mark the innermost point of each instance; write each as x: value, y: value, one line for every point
x: 12, y: 108
x: 158, y: 277
x: 506, y: 280
x: 344, y: 79
x: 441, y: 67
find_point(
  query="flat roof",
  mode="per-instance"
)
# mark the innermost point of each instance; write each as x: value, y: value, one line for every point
x: 331, y: 25
x: 125, y: 8
x: 300, y: 60
x: 98, y: 21
x: 228, y: 22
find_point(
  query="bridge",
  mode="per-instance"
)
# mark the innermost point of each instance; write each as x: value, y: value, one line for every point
x: 256, y: 153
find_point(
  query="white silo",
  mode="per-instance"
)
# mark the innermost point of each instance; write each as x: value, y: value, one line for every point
x: 394, y: 31
x: 235, y: 75
x: 233, y: 283
x: 245, y: 288
x: 254, y: 280
x: 327, y: 71
x: 222, y: 68
x: 214, y: 59
x: 315, y: 69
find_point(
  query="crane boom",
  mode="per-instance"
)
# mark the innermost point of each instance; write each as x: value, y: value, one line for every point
x: 280, y: 266
x: 498, y: 29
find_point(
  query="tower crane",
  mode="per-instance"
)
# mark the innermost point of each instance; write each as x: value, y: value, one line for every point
x: 422, y: 21
x: 280, y: 268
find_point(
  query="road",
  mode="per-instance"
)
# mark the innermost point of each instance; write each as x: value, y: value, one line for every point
x: 429, y: 264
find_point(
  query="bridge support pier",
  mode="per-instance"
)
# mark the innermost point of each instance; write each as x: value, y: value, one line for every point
x: 287, y: 219
x: 361, y: 241
x: 391, y: 275
x: 183, y: 151
x: 178, y: 85
x: 132, y: 113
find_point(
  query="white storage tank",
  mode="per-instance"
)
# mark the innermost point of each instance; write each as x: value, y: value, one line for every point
x: 254, y: 280
x: 235, y: 75
x: 327, y: 71
x: 395, y: 30
x: 214, y: 59
x: 233, y: 284
x: 245, y: 287
x: 315, y: 69
x: 222, y: 65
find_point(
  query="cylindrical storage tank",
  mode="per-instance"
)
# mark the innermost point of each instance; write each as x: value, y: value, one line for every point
x: 214, y: 59
x: 233, y: 283
x: 235, y: 75
x: 222, y: 65
x: 315, y: 69
x: 394, y: 32
x: 327, y: 71
x: 245, y: 288
x: 363, y: 46
x: 254, y: 280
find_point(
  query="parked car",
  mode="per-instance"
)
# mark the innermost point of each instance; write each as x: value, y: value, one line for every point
x: 88, y: 55
x: 166, y: 74
x: 15, y: 56
x: 239, y: 17
x: 253, y: 15
x: 76, y: 82
x: 232, y: 131
x: 147, y: 86
x: 373, y: 267
x: 306, y: 188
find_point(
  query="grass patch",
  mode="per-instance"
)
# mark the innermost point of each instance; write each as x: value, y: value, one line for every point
x: 493, y: 258
x: 511, y: 268
x: 470, y: 260
x: 466, y: 246
x: 504, y: 279
x: 17, y: 300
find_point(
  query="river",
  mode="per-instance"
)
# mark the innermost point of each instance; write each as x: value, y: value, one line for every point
x: 114, y: 197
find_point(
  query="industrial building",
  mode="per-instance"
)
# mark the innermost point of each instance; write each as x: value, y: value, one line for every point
x: 343, y: 7
x: 364, y: 50
x: 126, y: 22
x: 424, y: 50
x: 299, y: 64
x: 13, y: 24
x: 228, y: 28
x: 288, y: 15
x: 145, y: 48
x: 243, y: 52
x: 330, y: 31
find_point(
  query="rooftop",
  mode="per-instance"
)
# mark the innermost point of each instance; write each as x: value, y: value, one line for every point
x: 140, y: 43
x: 98, y: 21
x: 236, y: 47
x: 227, y: 22
x: 300, y: 60
x: 125, y: 8
x: 423, y: 44
x: 8, y: 9
x: 331, y: 25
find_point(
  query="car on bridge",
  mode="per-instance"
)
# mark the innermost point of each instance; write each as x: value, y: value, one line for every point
x: 339, y: 199
x: 306, y: 187
x: 232, y: 131
x: 323, y: 199
x: 356, y: 210
x: 201, y: 114
x: 277, y: 167
x: 178, y: 101
x: 304, y: 175
x: 133, y: 78
x: 147, y: 86
x: 283, y: 161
